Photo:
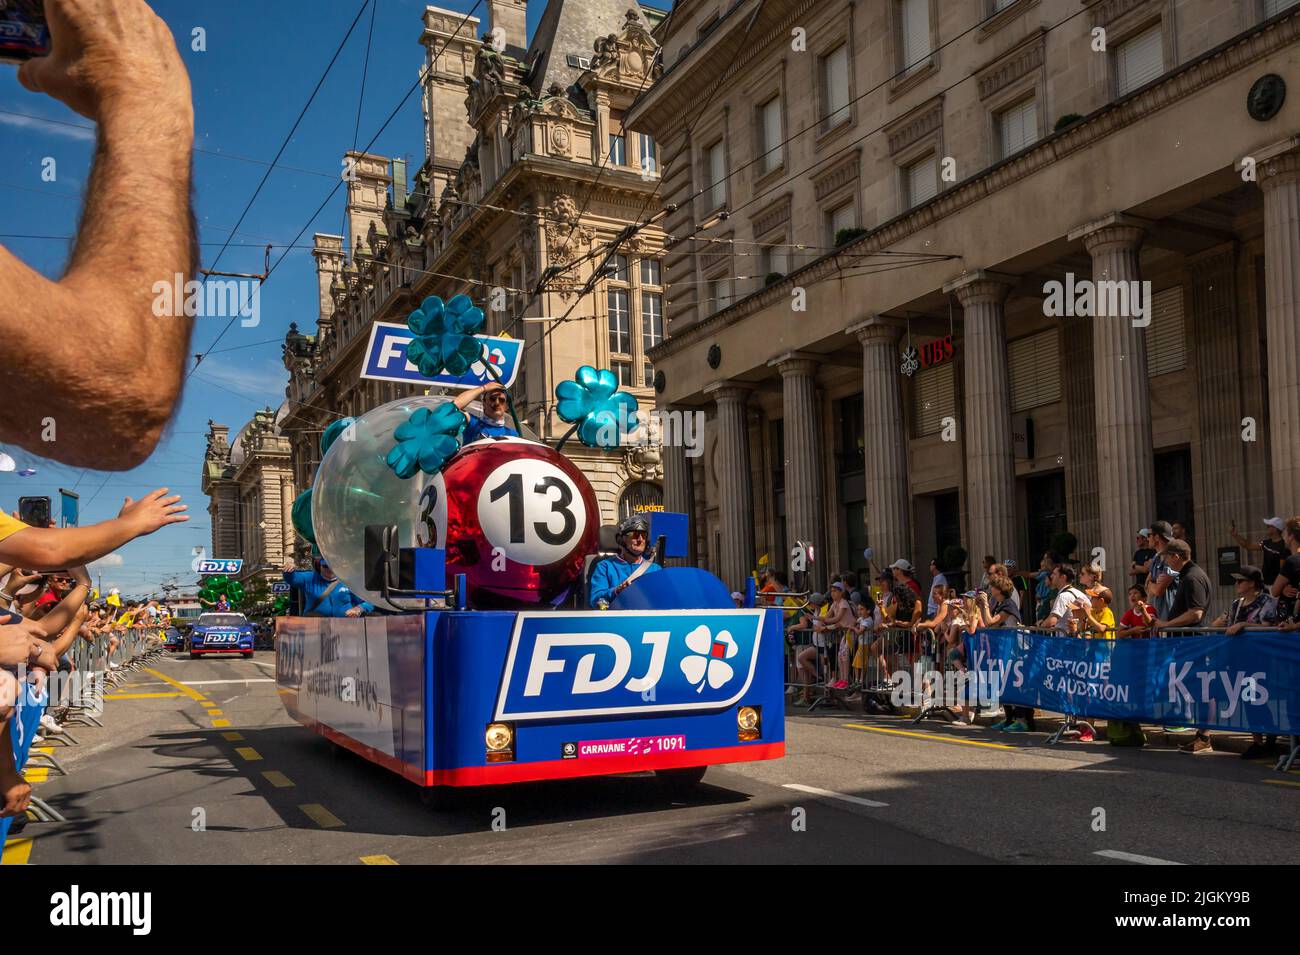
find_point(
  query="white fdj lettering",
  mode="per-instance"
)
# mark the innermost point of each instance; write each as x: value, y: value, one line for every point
x: 585, y: 680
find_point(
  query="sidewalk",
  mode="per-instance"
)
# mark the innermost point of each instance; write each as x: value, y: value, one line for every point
x: 1044, y: 725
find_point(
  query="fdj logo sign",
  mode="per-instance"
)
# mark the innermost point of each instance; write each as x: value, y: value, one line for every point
x: 631, y: 662
x: 220, y: 566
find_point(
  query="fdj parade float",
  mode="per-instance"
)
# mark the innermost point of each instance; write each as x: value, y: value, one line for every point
x: 489, y: 666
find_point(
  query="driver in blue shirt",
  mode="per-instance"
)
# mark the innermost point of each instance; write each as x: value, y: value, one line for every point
x: 323, y: 593
x: 492, y: 423
x: 610, y: 576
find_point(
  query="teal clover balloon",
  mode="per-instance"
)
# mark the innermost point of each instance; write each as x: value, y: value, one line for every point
x: 604, y: 415
x: 301, y: 516
x: 426, y: 440
x: 332, y: 433
x: 443, y: 336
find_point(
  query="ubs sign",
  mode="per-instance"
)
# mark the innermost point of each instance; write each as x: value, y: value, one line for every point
x: 928, y: 355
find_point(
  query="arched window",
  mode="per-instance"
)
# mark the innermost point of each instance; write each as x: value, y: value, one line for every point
x: 640, y: 496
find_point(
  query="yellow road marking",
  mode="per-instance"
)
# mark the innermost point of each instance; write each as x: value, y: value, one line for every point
x: 215, y: 712
x: 142, y: 696
x: 36, y: 774
x: 379, y: 860
x: 233, y: 737
x: 222, y: 723
x: 1281, y: 782
x: 930, y: 736
x: 248, y: 753
x: 188, y: 691
x: 42, y: 749
x: 321, y: 816
x: 278, y: 779
x: 17, y: 852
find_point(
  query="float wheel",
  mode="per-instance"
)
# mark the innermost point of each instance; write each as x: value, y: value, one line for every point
x: 681, y: 782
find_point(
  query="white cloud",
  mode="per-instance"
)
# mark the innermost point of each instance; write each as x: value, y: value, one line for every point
x: 255, y: 382
x: 108, y: 560
x: 65, y: 130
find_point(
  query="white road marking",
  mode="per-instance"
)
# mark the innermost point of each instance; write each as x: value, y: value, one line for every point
x: 814, y: 791
x: 216, y: 682
x: 1133, y: 857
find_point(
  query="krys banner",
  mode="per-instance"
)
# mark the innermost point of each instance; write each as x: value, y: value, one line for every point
x: 1248, y: 683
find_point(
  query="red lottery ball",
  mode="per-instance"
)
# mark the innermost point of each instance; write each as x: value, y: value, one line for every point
x: 518, y: 520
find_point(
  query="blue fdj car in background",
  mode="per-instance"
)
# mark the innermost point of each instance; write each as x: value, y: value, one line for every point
x: 173, y: 640
x: 220, y: 633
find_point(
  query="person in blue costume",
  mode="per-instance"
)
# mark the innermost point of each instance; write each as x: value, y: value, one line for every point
x: 611, y: 576
x: 492, y: 422
x: 323, y: 593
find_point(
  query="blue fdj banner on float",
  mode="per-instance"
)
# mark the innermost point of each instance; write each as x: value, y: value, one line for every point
x: 386, y: 360
x: 628, y: 663
x: 220, y: 566
x: 1247, y: 683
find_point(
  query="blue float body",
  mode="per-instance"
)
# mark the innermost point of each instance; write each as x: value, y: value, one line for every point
x: 416, y: 692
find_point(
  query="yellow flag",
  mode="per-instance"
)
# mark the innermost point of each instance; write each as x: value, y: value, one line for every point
x: 762, y: 561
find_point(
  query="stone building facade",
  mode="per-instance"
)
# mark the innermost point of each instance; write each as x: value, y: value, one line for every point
x: 528, y: 174
x: 251, y: 488
x: 872, y: 199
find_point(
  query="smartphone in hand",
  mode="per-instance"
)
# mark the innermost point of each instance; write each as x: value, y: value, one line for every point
x: 24, y: 33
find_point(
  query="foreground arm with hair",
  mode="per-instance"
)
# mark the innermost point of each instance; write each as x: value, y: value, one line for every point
x: 115, y: 62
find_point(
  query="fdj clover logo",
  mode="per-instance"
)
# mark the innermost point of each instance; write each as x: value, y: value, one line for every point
x: 707, y: 663
x: 628, y: 663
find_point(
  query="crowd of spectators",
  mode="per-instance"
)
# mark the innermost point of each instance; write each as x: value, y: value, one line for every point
x: 852, y: 628
x: 45, y: 606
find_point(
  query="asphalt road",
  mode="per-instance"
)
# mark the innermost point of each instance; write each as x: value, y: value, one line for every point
x: 198, y: 763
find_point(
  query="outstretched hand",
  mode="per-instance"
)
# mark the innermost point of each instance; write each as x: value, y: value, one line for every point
x: 153, y: 511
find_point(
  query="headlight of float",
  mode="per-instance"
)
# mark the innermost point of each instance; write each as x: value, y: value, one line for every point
x: 500, y: 739
x: 749, y: 723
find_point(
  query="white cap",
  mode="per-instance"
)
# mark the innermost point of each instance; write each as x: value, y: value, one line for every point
x: 1145, y: 532
x: 901, y: 564
x: 737, y: 595
x: 1275, y: 522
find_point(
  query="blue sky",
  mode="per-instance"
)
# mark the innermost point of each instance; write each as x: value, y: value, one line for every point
x: 260, y: 66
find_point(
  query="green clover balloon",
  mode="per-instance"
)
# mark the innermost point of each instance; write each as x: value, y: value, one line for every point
x: 443, y: 336
x: 604, y: 416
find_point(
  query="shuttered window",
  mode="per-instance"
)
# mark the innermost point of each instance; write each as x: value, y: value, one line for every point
x: 835, y: 80
x: 1273, y: 7
x: 717, y: 160
x: 1018, y: 127
x: 771, y: 129
x: 1166, y: 344
x: 914, y: 15
x: 934, y: 397
x: 1034, y: 367
x: 1139, y: 60
x: 922, y: 181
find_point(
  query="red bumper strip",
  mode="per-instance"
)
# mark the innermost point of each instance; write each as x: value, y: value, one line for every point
x: 550, y: 769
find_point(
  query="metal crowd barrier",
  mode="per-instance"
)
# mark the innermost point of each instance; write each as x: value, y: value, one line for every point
x: 95, y: 664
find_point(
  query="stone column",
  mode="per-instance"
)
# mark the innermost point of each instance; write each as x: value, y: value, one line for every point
x: 286, y: 515
x: 885, y: 444
x: 804, y: 504
x: 1081, y: 505
x: 1125, y: 458
x: 678, y: 498
x: 1280, y: 180
x: 735, y: 488
x: 990, y: 456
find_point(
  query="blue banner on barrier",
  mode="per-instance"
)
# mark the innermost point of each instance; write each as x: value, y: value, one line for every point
x: 1248, y: 683
x: 23, y: 726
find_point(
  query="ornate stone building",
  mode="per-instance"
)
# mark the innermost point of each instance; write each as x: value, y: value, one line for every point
x: 528, y: 173
x: 909, y: 180
x: 250, y: 487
